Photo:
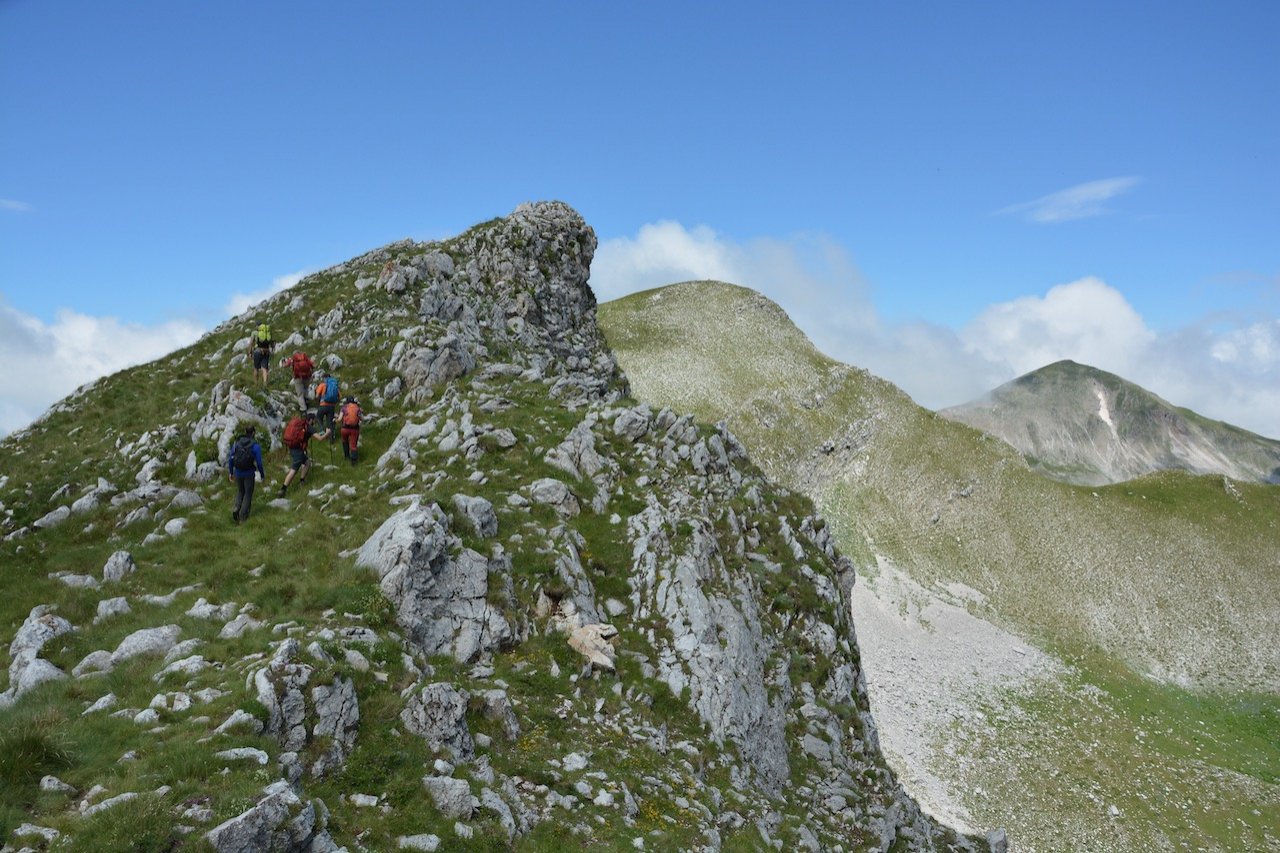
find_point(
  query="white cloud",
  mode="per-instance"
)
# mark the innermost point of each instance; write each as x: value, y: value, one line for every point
x: 1079, y: 202
x: 1230, y: 373
x: 1086, y: 321
x: 241, y: 302
x: 16, y: 206
x: 45, y: 362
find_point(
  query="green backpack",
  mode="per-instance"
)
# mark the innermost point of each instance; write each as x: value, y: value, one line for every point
x: 263, y: 338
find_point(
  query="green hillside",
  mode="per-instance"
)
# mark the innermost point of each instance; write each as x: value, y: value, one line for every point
x: 1161, y: 591
x: 533, y: 614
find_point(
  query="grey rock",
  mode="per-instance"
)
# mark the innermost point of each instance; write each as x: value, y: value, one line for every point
x: 243, y: 753
x: 632, y: 424
x: 109, y: 607
x: 148, y: 641
x: 119, y: 565
x: 337, y: 718
x: 496, y: 706
x: 56, y: 785
x: 99, y: 661
x: 452, y: 797
x: 401, y: 450
x: 240, y: 719
x: 441, y: 601
x: 110, y: 803
x: 555, y: 494
x: 238, y: 626
x: 479, y: 512
x: 577, y: 454
x: 422, y: 841
x: 280, y: 821
x: 495, y: 804
x: 428, y: 367
x: 52, y: 518
x: 27, y: 670
x: 438, y: 715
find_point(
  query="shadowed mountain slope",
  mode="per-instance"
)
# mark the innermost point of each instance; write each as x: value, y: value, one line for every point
x: 1083, y: 425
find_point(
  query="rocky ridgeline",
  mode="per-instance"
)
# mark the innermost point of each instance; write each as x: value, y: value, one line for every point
x: 600, y: 622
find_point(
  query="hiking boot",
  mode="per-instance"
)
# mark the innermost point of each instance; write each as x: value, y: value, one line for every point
x: 235, y: 516
x: 283, y: 490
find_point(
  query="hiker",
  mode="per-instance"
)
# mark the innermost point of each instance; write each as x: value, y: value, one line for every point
x: 350, y: 423
x: 327, y: 396
x: 302, y: 366
x: 244, y: 466
x: 260, y: 348
x: 297, y: 435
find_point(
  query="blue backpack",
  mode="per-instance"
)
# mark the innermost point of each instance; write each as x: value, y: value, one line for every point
x: 331, y: 394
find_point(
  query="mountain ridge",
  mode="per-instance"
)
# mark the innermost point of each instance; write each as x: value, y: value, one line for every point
x: 537, y: 613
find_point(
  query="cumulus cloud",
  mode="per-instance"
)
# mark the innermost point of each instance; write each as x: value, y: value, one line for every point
x: 1079, y: 202
x: 1226, y: 371
x: 44, y: 362
x: 1087, y: 321
x: 241, y: 302
x: 16, y: 206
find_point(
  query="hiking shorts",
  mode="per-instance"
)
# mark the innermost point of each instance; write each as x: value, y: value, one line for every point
x: 297, y: 458
x: 261, y: 359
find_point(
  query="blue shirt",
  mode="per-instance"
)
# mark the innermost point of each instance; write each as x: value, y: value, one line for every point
x: 257, y: 459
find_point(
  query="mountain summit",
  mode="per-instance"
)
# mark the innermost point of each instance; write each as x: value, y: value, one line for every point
x: 1086, y: 426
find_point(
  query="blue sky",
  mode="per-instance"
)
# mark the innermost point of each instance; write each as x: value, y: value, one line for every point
x: 943, y: 193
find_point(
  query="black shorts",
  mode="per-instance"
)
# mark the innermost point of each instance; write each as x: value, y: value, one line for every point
x: 297, y: 458
x: 261, y: 359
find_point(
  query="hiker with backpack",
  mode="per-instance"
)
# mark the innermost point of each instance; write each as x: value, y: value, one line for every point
x: 297, y: 435
x: 244, y: 466
x: 302, y: 366
x: 260, y: 348
x: 349, y: 419
x: 327, y: 396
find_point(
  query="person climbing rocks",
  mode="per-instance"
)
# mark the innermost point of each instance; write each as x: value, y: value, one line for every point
x: 349, y: 420
x: 327, y: 397
x: 297, y: 436
x: 302, y: 366
x: 260, y: 348
x: 244, y: 466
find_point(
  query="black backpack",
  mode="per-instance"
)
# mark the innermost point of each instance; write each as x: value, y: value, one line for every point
x: 242, y: 455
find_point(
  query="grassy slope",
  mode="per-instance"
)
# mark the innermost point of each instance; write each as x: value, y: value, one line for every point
x: 1171, y: 575
x: 301, y: 577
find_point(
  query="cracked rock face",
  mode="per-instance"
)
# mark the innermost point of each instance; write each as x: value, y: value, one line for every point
x: 439, y: 594
x: 438, y: 715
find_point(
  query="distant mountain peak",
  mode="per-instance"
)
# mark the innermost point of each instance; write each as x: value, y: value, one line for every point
x: 1081, y: 424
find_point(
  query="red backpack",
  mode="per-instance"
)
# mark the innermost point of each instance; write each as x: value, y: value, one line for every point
x: 302, y: 365
x: 295, y: 433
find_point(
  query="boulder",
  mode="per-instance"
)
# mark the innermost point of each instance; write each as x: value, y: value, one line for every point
x: 452, y: 797
x: 479, y: 513
x: 280, y: 821
x: 118, y: 566
x: 148, y: 641
x: 438, y: 715
x: 440, y: 599
x: 555, y: 494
